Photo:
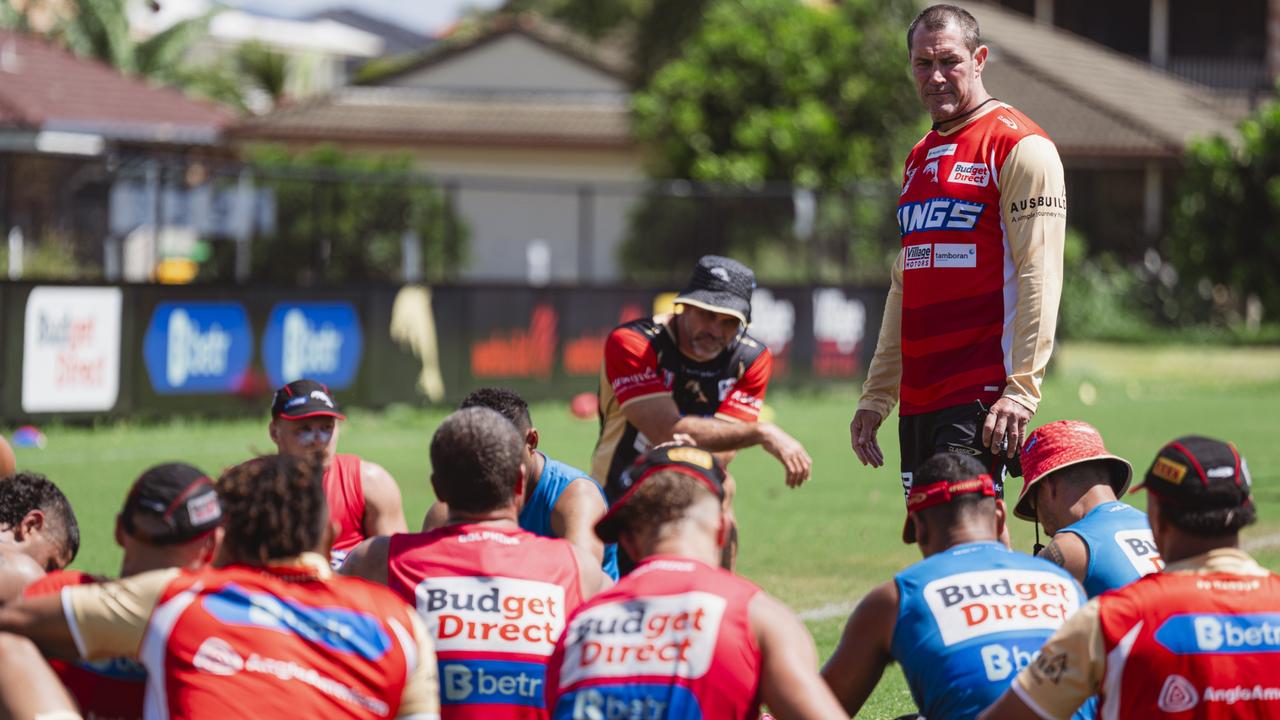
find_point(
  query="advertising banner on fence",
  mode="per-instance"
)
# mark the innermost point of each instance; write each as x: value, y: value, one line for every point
x: 197, y: 347
x: 71, y: 349
x: 839, y: 326
x: 322, y: 341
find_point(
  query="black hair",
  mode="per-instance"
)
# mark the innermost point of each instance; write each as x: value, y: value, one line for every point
x: 662, y: 498
x: 274, y: 507
x: 1211, y: 522
x: 948, y: 467
x: 504, y: 401
x: 23, y: 492
x: 476, y: 456
x: 938, y: 17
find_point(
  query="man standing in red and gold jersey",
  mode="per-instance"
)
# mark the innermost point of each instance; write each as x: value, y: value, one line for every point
x: 364, y: 500
x: 969, y: 320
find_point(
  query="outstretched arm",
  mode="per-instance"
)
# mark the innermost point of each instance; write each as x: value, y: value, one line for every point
x: 575, y: 514
x: 789, y: 680
x: 383, y: 508
x: 855, y: 668
x: 368, y: 560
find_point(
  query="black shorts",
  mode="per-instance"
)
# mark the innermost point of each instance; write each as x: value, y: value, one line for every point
x: 955, y: 429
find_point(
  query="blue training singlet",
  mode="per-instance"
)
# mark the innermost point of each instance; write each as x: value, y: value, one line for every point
x: 535, y: 516
x: 1120, y: 546
x: 971, y: 617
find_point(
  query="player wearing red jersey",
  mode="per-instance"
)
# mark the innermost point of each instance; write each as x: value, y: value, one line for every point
x: 969, y: 320
x: 363, y: 498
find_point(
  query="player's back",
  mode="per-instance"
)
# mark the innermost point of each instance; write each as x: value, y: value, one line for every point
x: 1120, y: 546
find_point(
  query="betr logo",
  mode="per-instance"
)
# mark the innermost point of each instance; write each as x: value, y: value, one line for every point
x: 1000, y: 662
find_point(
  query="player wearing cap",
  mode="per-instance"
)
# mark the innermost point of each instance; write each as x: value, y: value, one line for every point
x: 679, y: 637
x: 696, y: 373
x: 38, y: 531
x: 171, y: 519
x: 1199, y: 639
x: 557, y: 500
x: 494, y: 596
x: 363, y: 498
x: 962, y: 621
x: 268, y: 630
x: 1070, y: 488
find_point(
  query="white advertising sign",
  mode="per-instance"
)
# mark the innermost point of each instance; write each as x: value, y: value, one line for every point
x: 71, y: 349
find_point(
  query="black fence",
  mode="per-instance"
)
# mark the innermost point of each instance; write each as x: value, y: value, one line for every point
x: 87, y: 351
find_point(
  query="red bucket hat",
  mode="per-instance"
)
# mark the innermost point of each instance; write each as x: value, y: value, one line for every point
x: 1061, y: 444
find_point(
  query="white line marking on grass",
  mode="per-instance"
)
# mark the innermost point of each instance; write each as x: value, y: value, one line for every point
x: 829, y: 611
x: 1264, y: 542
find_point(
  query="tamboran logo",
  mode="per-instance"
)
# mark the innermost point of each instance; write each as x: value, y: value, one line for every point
x: 1140, y: 548
x: 466, y: 682
x: 495, y: 614
x: 918, y: 257
x: 938, y: 214
x: 320, y: 341
x: 650, y: 636
x: 197, y: 347
x: 949, y: 255
x: 970, y: 174
x: 1230, y: 634
x: 973, y: 604
x: 1177, y: 695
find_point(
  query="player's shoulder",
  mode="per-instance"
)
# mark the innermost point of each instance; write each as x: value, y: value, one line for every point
x: 750, y: 350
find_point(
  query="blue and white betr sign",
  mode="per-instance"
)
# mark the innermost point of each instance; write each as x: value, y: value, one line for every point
x: 320, y: 341
x: 197, y: 347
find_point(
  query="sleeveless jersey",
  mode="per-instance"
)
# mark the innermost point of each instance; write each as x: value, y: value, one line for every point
x: 959, y: 288
x: 111, y: 689
x: 1120, y: 545
x: 344, y: 490
x: 969, y: 618
x: 223, y: 641
x: 535, y: 516
x: 495, y: 601
x: 641, y: 360
x: 671, y: 640
x: 1194, y: 646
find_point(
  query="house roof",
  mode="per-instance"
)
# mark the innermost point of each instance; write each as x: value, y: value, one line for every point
x: 396, y: 39
x: 46, y: 88
x: 408, y: 115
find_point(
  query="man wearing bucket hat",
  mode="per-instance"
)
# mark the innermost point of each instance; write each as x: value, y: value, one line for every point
x: 1070, y: 487
x: 1198, y: 639
x: 962, y: 621
x: 695, y: 373
x: 680, y: 637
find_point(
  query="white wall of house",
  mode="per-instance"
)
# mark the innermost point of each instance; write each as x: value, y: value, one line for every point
x: 511, y: 62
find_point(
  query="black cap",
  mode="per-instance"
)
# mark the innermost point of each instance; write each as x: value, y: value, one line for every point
x: 1199, y: 472
x: 687, y: 460
x: 722, y: 285
x: 171, y: 504
x: 305, y: 399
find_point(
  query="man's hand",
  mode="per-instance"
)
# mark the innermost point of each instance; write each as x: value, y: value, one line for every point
x: 862, y: 435
x: 1007, y: 418
x: 789, y: 452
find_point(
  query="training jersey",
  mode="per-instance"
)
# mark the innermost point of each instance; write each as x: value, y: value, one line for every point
x: 108, y: 689
x: 974, y: 298
x: 286, y: 640
x: 1198, y: 641
x: 642, y: 360
x: 344, y: 491
x: 495, y: 601
x: 671, y: 640
x: 535, y: 516
x: 969, y: 618
x: 1121, y: 548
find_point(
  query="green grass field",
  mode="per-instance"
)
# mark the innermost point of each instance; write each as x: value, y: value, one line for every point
x: 819, y: 547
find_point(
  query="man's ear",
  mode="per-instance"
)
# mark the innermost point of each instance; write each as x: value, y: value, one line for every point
x: 1001, y: 517
x: 922, y: 529
x: 979, y: 60
x: 273, y: 432
x: 531, y: 438
x: 722, y: 528
x: 32, y: 522
x: 119, y: 531
x: 435, y: 487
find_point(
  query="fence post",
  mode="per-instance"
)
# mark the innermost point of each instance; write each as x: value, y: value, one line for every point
x: 586, y: 234
x: 15, y: 253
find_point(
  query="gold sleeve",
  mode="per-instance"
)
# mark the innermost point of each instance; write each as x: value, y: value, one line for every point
x: 1033, y: 199
x: 421, y: 697
x: 1068, y: 670
x: 109, y: 619
x: 880, y: 391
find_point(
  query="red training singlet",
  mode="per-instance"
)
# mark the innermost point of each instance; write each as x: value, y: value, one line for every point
x: 495, y: 601
x: 344, y: 490
x: 1204, y: 646
x: 104, y: 689
x: 671, y: 640
x: 959, y: 286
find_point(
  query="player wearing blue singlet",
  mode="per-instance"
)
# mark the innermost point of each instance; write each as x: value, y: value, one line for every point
x: 559, y: 500
x: 964, y: 620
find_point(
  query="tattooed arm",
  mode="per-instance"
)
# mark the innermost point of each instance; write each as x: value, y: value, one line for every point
x: 1068, y: 552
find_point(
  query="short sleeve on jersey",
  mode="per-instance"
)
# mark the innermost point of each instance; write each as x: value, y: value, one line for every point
x: 109, y: 619
x: 745, y: 398
x: 631, y: 367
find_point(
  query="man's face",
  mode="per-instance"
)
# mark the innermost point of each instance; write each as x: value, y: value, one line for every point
x: 947, y: 75
x: 36, y: 538
x: 705, y: 334
x: 300, y: 437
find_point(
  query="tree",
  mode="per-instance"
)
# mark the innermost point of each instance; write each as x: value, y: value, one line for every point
x: 1225, y: 235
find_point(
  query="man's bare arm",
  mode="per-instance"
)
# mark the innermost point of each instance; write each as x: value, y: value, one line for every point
x: 1068, y: 552
x: 591, y: 578
x: 383, y: 508
x: 368, y: 560
x: 855, y: 668
x: 575, y: 514
x: 789, y: 681
x: 436, y: 517
x: 28, y: 686
x: 41, y: 619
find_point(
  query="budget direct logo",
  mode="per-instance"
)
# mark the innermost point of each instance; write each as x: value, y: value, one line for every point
x: 1199, y: 634
x: 479, y: 682
x: 650, y: 636
x: 322, y: 341
x: 492, y: 614
x: 197, y: 347
x: 974, y: 604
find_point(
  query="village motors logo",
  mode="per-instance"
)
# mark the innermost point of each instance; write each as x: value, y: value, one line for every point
x: 197, y: 347
x: 320, y: 341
